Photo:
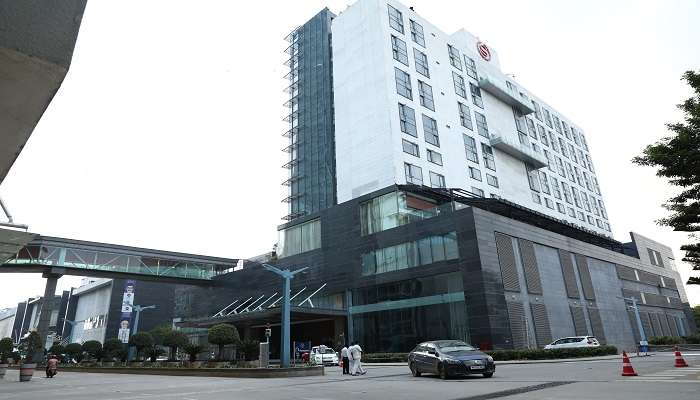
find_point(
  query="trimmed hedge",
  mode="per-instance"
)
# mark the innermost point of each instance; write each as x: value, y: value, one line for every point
x: 541, y: 354
x: 669, y: 340
x: 507, y: 355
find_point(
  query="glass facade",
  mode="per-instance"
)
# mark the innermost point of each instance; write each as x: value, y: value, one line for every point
x: 425, y: 251
x: 394, y: 209
x: 394, y: 317
x: 300, y: 238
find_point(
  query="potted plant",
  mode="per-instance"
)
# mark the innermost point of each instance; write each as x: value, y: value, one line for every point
x: 32, y: 346
x: 6, y: 346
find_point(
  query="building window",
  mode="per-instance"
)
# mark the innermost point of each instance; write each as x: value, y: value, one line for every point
x: 520, y: 124
x: 555, y: 187
x: 421, y: 63
x: 577, y: 199
x: 538, y: 110
x: 544, y: 183
x: 603, y: 213
x: 572, y: 151
x: 555, y: 143
x: 470, y: 148
x: 557, y: 124
x: 531, y: 128
x: 476, y: 95
x: 481, y: 126
x: 434, y: 157
x: 437, y: 180
x: 403, y: 84
x: 300, y: 238
x: 572, y: 212
x: 550, y: 160
x: 417, y: 32
x: 562, y: 146
x: 581, y: 216
x: 561, y: 208
x: 536, y: 198
x: 543, y: 135
x: 547, y: 118
x: 430, y: 131
x: 414, y: 174
x: 471, y: 67
x: 410, y: 148
x: 489, y: 160
x: 460, y: 88
x: 492, y: 180
x: 407, y: 118
x: 425, y: 251
x: 394, y: 209
x: 477, y: 192
x: 560, y: 166
x: 532, y: 178
x: 395, y: 19
x: 549, y: 203
x: 465, y: 117
x: 398, y: 49
x: 474, y: 173
x: 425, y: 94
x: 567, y: 194
x: 454, y: 57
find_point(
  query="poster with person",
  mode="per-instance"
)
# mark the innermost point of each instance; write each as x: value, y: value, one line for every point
x: 127, y: 309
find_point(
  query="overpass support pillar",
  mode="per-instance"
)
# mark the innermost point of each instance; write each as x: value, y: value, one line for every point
x: 47, y: 303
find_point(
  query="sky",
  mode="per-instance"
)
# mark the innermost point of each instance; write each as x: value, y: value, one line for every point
x: 166, y: 133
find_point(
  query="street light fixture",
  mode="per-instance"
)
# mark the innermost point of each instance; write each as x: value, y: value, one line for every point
x: 640, y: 327
x: 138, y: 310
x: 287, y: 277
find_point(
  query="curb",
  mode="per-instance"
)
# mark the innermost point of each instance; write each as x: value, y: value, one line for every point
x: 203, y: 372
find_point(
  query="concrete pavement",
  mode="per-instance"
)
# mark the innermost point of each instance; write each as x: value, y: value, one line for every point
x: 597, y: 379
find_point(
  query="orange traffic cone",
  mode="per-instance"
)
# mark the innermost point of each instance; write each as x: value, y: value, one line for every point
x: 680, y: 362
x: 627, y: 369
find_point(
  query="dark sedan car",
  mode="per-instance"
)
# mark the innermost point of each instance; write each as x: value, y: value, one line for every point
x: 449, y: 358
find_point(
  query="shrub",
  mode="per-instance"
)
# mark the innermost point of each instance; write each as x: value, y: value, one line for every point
x: 384, y: 357
x: 222, y: 335
x: 93, y: 349
x: 159, y: 333
x: 175, y: 340
x: 250, y: 349
x: 142, y: 341
x: 113, y: 348
x: 57, y: 349
x: 154, y: 352
x: 541, y: 354
x: 665, y: 340
x: 693, y: 339
x: 192, y: 350
x: 6, y: 347
x: 75, y: 351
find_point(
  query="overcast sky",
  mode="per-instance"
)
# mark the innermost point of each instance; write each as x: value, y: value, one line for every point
x: 166, y: 133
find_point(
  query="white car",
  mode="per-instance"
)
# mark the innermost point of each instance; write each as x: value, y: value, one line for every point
x: 322, y: 355
x: 573, y: 342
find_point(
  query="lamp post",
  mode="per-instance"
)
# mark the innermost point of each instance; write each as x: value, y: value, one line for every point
x: 287, y: 276
x: 138, y: 310
x: 640, y: 327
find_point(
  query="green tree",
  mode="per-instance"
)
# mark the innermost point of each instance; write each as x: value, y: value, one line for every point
x: 33, y: 347
x: 222, y: 335
x: 696, y: 315
x: 677, y: 158
x: 57, y: 349
x: 250, y: 349
x: 6, y: 347
x: 75, y: 351
x: 175, y: 340
x: 142, y: 341
x: 93, y: 349
x: 113, y: 348
x: 159, y: 333
x: 192, y: 351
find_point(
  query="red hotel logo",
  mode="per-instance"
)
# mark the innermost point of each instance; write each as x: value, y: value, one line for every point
x: 484, y: 51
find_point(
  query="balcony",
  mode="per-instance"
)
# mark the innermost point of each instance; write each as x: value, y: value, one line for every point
x: 518, y: 150
x: 506, y: 94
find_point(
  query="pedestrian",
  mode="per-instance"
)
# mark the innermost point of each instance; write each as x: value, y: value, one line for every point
x: 345, y: 359
x: 52, y: 366
x: 356, y: 355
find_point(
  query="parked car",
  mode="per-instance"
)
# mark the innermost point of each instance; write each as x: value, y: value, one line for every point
x: 448, y: 358
x: 573, y: 342
x: 322, y: 355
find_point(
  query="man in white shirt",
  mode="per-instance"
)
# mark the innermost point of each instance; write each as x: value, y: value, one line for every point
x: 356, y: 357
x: 346, y: 360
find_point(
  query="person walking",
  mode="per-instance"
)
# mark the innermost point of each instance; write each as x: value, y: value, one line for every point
x: 345, y: 359
x: 356, y: 355
x: 52, y: 366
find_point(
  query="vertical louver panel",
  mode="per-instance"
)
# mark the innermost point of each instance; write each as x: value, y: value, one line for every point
x: 672, y: 325
x: 626, y: 273
x: 656, y: 324
x: 635, y: 328
x: 543, y: 332
x: 579, y: 321
x: 506, y: 259
x: 585, y: 274
x: 596, y: 324
x: 664, y: 324
x: 567, y: 268
x: 646, y: 324
x: 518, y: 326
x: 532, y: 272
